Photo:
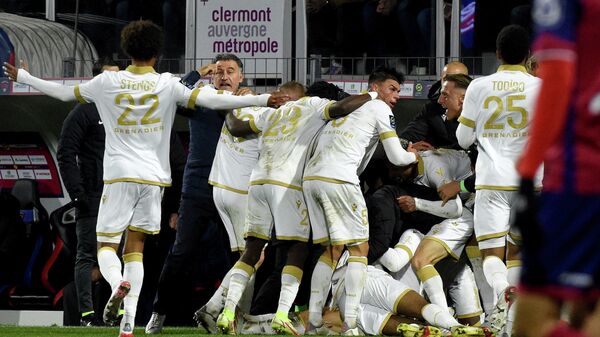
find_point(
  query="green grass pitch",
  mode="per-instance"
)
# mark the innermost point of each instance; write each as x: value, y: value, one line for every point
x: 15, y: 331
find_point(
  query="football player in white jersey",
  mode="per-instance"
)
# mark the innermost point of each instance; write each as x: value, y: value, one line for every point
x: 496, y: 113
x: 335, y: 202
x: 275, y: 196
x: 137, y: 107
x: 388, y: 307
x: 235, y: 158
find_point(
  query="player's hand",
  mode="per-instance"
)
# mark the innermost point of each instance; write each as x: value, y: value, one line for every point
x: 423, y: 146
x: 12, y: 71
x: 244, y: 91
x: 525, y: 209
x: 411, y: 148
x: 448, y: 191
x: 277, y: 99
x: 208, y: 69
x: 173, y: 220
x: 407, y: 204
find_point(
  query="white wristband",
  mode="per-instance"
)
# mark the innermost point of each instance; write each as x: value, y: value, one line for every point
x: 373, y: 94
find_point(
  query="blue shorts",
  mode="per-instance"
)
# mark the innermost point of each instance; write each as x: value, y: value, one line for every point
x: 561, y: 254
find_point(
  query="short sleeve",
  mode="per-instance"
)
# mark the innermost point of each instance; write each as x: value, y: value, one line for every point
x: 555, y: 24
x: 468, y: 116
x: 85, y: 92
x: 319, y: 104
x: 385, y: 122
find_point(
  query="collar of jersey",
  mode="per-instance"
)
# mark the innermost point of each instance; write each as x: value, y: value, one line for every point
x: 512, y: 67
x: 140, y: 70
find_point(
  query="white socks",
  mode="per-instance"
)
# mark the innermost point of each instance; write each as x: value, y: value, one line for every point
x: 514, y: 271
x: 496, y: 274
x: 485, y: 290
x: 435, y: 315
x: 240, y: 273
x: 216, y: 302
x: 356, y: 275
x: 290, y: 282
x: 134, y: 273
x: 433, y: 285
x: 110, y: 266
x: 319, y: 288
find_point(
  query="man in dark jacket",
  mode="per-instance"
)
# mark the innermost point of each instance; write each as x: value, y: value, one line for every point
x: 80, y: 154
x: 430, y: 128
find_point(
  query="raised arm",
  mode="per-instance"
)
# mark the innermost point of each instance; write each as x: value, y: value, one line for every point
x: 64, y: 93
x: 215, y: 101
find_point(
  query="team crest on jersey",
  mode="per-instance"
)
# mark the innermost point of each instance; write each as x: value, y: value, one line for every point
x: 547, y: 13
x: 393, y: 122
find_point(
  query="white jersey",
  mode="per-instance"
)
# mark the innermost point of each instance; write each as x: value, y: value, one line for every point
x: 346, y: 144
x: 236, y: 157
x: 137, y: 107
x: 286, y: 135
x: 500, y: 108
x: 441, y: 166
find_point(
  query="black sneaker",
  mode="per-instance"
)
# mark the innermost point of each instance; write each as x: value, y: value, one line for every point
x: 89, y: 320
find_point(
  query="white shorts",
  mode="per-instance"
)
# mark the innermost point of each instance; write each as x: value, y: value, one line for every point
x: 382, y: 291
x: 453, y: 234
x: 338, y: 213
x: 409, y: 241
x: 232, y: 208
x: 128, y: 205
x: 282, y: 206
x: 465, y: 294
x: 371, y: 320
x: 492, y: 217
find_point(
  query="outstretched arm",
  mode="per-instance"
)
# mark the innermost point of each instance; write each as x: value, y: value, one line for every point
x: 64, y: 93
x: 396, y: 153
x: 215, y: 101
x: 349, y: 104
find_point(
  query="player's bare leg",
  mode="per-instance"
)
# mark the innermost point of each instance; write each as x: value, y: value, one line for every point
x: 428, y: 253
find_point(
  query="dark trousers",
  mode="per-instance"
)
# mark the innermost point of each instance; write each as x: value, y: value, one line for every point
x: 85, y: 260
x: 198, y: 233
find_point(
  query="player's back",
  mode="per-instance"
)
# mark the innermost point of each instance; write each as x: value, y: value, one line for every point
x: 235, y: 157
x: 438, y: 167
x: 500, y: 108
x: 346, y: 144
x: 137, y: 107
x: 570, y: 31
x: 286, y: 135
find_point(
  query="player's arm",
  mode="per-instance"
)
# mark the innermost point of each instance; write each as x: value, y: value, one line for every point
x: 450, y: 210
x: 218, y: 101
x: 550, y: 112
x: 238, y: 127
x: 64, y: 93
x: 556, y: 51
x: 394, y: 150
x: 347, y: 105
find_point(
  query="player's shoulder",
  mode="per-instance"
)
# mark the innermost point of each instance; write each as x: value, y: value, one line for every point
x: 376, y: 107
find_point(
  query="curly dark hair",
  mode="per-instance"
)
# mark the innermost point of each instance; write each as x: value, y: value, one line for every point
x: 513, y: 44
x: 326, y: 90
x: 142, y: 40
